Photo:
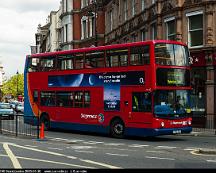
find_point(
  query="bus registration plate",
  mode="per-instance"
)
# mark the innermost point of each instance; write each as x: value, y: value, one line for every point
x: 176, y: 131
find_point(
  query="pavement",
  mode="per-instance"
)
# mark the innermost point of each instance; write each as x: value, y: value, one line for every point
x: 203, y: 132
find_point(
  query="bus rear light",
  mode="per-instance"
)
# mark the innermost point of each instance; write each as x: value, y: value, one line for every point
x: 162, y: 124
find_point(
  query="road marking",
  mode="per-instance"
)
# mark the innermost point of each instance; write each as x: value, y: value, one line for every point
x: 10, y: 154
x: 165, y: 147
x: 62, y: 155
x: 93, y: 142
x: 155, y: 151
x: 191, y: 149
x: 80, y: 147
x: 55, y: 148
x: 122, y: 155
x: 54, y: 162
x: 31, y: 146
x: 79, y: 151
x: 138, y: 146
x: 114, y: 144
x: 160, y: 158
x: 211, y: 161
x: 101, y: 164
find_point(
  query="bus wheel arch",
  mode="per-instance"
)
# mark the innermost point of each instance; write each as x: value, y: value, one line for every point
x: 117, y: 127
x: 44, y: 118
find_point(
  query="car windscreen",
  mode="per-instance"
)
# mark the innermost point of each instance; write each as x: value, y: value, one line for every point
x: 4, y: 106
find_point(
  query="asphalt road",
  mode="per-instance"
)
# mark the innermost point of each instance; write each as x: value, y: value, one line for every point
x: 89, y: 151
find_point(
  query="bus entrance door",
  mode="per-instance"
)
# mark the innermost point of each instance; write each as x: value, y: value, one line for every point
x: 137, y: 107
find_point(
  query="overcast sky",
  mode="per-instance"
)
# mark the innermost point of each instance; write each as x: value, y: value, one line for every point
x: 19, y: 20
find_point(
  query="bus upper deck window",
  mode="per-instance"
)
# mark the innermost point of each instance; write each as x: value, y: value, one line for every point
x: 33, y: 64
x: 47, y: 64
x: 139, y: 55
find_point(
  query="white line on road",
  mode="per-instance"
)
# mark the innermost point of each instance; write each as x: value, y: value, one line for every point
x: 138, y: 146
x: 81, y: 151
x: 211, y: 161
x: 122, y: 155
x: 14, y: 160
x: 93, y: 142
x: 31, y: 146
x: 59, y: 163
x: 160, y: 158
x: 158, y: 151
x: 114, y: 144
x: 165, y: 147
x: 60, y: 149
x: 62, y: 155
x: 101, y: 164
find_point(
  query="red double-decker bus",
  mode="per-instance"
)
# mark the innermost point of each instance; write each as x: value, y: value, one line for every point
x: 139, y: 89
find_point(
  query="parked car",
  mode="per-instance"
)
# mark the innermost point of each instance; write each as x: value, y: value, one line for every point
x: 6, y: 112
x: 19, y: 108
x: 13, y: 104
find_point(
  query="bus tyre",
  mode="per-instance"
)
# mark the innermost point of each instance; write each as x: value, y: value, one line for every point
x: 117, y: 128
x: 46, y: 121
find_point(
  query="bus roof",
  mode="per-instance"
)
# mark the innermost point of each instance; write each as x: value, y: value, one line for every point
x: 105, y: 47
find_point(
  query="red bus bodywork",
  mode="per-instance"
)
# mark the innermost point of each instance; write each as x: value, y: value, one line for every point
x: 95, y: 117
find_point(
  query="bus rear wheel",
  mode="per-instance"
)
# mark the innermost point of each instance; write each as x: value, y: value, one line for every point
x: 45, y: 119
x: 117, y: 128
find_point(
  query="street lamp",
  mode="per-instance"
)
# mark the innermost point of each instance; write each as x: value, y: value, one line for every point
x: 17, y: 73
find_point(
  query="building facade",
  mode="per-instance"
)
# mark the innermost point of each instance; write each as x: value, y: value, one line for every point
x: 1, y: 79
x: 189, y: 21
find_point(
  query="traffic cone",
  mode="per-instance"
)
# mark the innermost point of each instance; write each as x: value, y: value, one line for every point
x: 42, y: 131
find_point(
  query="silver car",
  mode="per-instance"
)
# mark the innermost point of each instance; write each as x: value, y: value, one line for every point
x: 6, y: 112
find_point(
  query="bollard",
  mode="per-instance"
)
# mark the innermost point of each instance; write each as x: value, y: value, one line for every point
x: 42, y: 131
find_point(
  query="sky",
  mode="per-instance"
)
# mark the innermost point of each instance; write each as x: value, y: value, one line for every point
x: 19, y: 21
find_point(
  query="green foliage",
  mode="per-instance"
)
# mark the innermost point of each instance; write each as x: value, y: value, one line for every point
x: 10, y: 86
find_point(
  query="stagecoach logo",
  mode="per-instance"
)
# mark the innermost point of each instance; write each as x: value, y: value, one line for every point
x: 87, y: 116
x: 100, y: 118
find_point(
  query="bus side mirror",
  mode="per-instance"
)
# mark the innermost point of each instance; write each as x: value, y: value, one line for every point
x: 126, y: 103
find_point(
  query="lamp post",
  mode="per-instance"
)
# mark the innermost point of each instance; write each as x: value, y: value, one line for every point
x: 17, y: 73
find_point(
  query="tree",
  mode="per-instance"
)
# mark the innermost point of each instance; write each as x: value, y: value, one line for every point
x: 10, y: 86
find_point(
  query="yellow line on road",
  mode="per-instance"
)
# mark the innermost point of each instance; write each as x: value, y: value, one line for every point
x: 14, y: 160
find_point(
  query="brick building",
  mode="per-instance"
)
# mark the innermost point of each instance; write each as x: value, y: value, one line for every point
x: 189, y: 21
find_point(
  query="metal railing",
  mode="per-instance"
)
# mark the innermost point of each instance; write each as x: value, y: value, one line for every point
x: 17, y: 127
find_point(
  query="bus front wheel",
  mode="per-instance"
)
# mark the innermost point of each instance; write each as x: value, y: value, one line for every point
x: 117, y: 128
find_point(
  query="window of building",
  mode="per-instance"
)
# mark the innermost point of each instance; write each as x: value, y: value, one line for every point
x: 143, y: 35
x: 117, y: 57
x: 47, y: 98
x: 170, y: 29
x: 92, y: 25
x: 143, y: 4
x: 139, y: 55
x: 66, y: 33
x: 133, y: 38
x: 64, y: 99
x: 47, y: 64
x: 125, y: 5
x: 154, y: 31
x: 198, y: 93
x: 84, y: 23
x: 65, y: 62
x: 195, y: 29
x: 84, y: 3
x: 141, y: 102
x: 133, y: 9
x: 94, y: 59
x: 110, y: 20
